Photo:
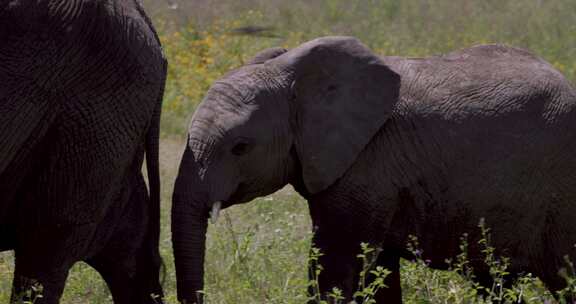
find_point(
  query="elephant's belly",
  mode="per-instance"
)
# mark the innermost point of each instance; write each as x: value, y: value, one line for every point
x: 527, y: 214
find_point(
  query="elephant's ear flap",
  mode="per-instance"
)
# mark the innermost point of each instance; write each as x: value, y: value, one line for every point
x: 343, y: 95
x: 266, y: 55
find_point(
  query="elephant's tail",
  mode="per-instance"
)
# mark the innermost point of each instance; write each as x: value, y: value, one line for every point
x: 152, y: 147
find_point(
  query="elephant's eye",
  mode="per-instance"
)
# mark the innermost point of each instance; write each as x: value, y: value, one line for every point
x: 241, y: 148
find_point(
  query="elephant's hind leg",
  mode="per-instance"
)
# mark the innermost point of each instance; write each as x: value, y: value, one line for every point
x: 36, y: 279
x: 24, y: 121
x: 117, y: 278
x: 44, y: 254
x: 126, y: 262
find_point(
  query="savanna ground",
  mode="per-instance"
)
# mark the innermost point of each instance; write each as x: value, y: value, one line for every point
x: 258, y: 252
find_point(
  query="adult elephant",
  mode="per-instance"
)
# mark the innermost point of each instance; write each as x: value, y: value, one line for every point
x: 81, y: 85
x: 385, y: 147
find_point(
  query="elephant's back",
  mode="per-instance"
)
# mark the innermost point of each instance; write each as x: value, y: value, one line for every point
x: 91, y: 61
x: 61, y: 43
x: 480, y: 82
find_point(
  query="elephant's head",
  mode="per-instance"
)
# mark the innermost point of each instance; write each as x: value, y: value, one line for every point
x: 300, y: 116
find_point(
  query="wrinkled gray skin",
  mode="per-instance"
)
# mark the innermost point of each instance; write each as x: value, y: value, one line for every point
x: 81, y: 85
x: 386, y: 147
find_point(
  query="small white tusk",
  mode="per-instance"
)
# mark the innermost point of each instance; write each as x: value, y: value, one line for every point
x: 215, y: 212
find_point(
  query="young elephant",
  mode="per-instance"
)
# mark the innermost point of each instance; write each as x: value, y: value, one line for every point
x: 385, y: 147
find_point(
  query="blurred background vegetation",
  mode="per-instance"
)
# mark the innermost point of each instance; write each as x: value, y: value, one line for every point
x: 258, y: 252
x: 202, y: 37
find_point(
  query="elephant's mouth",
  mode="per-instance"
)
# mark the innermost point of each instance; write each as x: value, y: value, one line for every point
x: 244, y: 193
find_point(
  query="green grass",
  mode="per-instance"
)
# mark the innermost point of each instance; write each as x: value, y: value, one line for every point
x: 257, y: 253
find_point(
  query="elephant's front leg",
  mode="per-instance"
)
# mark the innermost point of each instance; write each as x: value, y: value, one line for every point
x: 392, y: 293
x: 338, y: 265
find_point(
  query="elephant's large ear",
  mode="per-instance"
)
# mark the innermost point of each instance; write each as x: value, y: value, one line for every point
x: 267, y: 54
x: 343, y: 95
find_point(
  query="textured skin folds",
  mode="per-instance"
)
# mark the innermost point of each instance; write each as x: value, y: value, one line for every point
x: 81, y: 84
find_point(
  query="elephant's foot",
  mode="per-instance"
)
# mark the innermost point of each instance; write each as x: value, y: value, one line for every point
x: 44, y: 289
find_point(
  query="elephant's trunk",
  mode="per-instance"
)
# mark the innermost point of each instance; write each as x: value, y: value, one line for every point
x: 189, y: 223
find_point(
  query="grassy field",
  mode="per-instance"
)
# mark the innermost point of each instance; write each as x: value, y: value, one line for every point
x: 257, y: 253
